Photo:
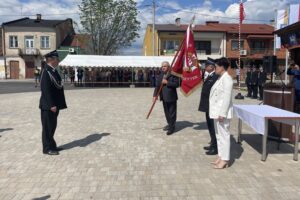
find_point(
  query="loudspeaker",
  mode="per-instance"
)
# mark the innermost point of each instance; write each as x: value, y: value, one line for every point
x: 270, y: 64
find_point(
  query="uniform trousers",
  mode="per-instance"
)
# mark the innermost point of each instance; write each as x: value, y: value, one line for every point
x: 49, y: 123
x: 261, y: 91
x: 170, y: 109
x: 223, y: 138
x: 211, y: 129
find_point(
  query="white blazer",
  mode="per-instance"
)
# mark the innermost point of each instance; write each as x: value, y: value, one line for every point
x: 220, y: 98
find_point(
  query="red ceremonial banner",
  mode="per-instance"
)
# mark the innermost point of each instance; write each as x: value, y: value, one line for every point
x: 186, y: 64
x: 242, y: 12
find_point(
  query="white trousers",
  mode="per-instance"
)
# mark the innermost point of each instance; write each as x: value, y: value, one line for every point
x: 223, y: 138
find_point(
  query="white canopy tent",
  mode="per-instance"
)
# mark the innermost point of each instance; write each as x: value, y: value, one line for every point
x: 114, y: 61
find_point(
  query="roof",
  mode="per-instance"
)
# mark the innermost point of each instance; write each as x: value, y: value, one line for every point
x: 219, y: 27
x: 288, y: 28
x: 114, y: 61
x: 78, y: 40
x: 183, y: 27
x: 27, y: 22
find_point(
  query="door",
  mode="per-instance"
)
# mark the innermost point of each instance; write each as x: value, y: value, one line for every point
x: 29, y: 69
x: 14, y: 69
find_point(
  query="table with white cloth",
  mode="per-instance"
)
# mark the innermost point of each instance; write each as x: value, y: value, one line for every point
x: 257, y: 117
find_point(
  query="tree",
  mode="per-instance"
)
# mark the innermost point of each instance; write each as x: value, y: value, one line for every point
x: 111, y: 24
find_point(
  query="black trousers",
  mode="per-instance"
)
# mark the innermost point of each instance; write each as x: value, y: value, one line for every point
x: 211, y: 130
x: 170, y: 109
x: 261, y: 91
x: 49, y: 123
x: 254, y: 88
x: 249, y: 90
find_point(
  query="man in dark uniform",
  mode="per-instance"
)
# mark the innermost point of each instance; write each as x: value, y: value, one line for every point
x: 51, y: 102
x: 262, y: 77
x: 254, y: 82
x: 210, y: 80
x: 168, y: 95
x: 247, y: 81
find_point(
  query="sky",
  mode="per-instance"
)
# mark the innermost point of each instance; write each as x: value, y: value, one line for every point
x: 226, y: 11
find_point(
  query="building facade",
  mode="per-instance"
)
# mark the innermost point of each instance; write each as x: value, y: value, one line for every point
x: 2, y: 68
x: 215, y: 40
x: 26, y: 41
x: 209, y: 42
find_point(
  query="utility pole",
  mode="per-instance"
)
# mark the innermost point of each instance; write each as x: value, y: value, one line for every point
x: 153, y: 27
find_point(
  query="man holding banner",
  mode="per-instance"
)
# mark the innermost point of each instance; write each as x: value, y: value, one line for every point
x: 168, y: 95
x: 185, y: 65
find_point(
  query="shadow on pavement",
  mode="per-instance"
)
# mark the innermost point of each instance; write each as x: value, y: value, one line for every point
x: 42, y: 198
x: 6, y: 129
x: 85, y: 141
x: 236, y: 150
x: 180, y: 125
x: 255, y: 141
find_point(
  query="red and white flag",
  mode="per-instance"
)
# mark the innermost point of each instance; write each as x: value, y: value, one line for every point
x: 242, y: 12
x: 186, y: 64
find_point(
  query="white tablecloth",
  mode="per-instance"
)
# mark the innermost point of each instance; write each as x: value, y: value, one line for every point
x: 254, y: 115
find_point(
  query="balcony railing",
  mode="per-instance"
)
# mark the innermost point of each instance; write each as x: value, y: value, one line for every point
x: 263, y: 51
x: 29, y: 51
x: 200, y: 52
x: 216, y: 51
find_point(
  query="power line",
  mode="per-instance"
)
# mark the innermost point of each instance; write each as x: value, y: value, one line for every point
x: 197, y: 13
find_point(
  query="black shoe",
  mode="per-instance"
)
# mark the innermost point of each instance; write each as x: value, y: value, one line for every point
x: 207, y: 148
x: 212, y: 152
x: 166, y: 128
x: 51, y: 152
x: 170, y: 132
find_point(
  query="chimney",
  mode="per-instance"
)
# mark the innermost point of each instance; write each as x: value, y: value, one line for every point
x: 211, y: 22
x: 177, y: 21
x: 38, y: 17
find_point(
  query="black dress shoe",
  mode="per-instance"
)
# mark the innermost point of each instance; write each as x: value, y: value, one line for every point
x: 170, y: 132
x: 51, y: 152
x: 166, y: 128
x: 207, y: 148
x: 212, y: 152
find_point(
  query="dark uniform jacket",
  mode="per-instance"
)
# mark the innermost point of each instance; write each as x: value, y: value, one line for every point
x: 168, y: 93
x: 207, y: 85
x: 262, y: 77
x: 252, y: 78
x: 52, y: 90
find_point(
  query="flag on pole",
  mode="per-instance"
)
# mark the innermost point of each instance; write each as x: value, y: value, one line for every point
x: 294, y: 13
x: 242, y: 12
x: 186, y: 64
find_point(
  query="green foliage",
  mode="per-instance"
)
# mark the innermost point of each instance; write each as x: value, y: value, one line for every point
x: 111, y: 24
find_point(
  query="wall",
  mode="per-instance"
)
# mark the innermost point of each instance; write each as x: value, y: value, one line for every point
x: 2, y: 69
x: 21, y: 32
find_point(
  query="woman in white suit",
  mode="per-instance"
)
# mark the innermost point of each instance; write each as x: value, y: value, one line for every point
x: 220, y: 109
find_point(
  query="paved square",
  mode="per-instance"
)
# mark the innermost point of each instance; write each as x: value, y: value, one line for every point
x: 113, y: 152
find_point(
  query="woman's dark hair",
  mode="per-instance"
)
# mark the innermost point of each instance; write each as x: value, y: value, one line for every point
x: 223, y: 62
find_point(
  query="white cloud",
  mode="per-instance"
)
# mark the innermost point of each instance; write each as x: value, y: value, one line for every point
x: 167, y: 12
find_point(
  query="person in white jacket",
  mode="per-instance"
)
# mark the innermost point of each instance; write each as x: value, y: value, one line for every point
x: 220, y: 109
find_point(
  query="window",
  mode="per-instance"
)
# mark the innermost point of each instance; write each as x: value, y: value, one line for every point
x: 45, y: 42
x: 258, y: 44
x: 171, y: 44
x: 235, y: 45
x: 29, y: 42
x: 203, y: 47
x: 13, y: 42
